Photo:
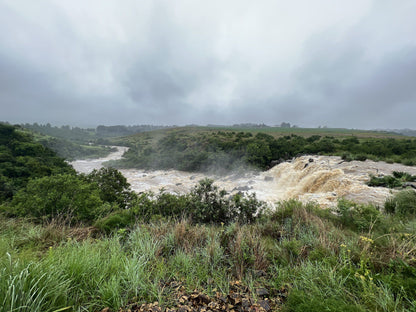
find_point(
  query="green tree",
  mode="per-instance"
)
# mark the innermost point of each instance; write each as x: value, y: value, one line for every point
x: 114, y: 187
x: 64, y: 195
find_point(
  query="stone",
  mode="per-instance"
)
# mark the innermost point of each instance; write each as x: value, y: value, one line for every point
x: 262, y: 292
x: 264, y: 304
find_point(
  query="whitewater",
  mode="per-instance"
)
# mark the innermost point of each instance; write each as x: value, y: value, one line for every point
x: 322, y: 179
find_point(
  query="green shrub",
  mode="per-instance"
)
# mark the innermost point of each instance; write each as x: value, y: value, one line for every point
x: 361, y: 157
x: 409, y: 162
x: 386, y: 181
x: 360, y: 217
x: 208, y: 204
x: 63, y: 195
x: 403, y: 203
x: 347, y: 157
x: 114, y: 187
x: 116, y: 220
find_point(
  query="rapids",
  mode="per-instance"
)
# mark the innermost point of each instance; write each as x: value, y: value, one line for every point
x: 322, y: 179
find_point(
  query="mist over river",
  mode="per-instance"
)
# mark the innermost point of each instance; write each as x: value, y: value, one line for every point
x: 322, y: 179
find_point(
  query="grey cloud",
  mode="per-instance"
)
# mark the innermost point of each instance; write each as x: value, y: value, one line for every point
x: 344, y: 65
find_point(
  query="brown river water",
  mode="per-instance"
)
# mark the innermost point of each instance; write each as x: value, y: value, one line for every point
x: 322, y: 179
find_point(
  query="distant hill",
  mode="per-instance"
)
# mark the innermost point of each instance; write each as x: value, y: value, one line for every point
x: 407, y: 132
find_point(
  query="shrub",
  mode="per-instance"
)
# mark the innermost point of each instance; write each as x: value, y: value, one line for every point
x: 403, y: 203
x: 114, y: 187
x: 116, y: 220
x: 60, y: 195
x: 409, y: 162
x: 360, y: 217
x: 208, y: 204
x: 360, y: 157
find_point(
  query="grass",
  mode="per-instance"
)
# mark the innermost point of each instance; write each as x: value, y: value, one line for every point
x: 322, y: 261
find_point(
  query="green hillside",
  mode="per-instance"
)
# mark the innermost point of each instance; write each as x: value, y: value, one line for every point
x: 21, y: 159
x: 218, y: 149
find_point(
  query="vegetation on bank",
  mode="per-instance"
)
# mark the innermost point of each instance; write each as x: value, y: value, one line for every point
x: 22, y: 159
x: 72, y: 151
x: 88, y: 135
x: 308, y: 259
x: 196, y: 149
x: 397, y: 179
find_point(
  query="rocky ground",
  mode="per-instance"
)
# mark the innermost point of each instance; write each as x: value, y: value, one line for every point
x: 239, y: 299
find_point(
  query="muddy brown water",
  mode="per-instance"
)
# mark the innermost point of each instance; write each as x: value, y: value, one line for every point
x: 322, y: 179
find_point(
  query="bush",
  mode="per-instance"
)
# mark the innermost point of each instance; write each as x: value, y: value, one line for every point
x: 403, y: 203
x: 360, y: 217
x: 208, y: 204
x: 114, y: 187
x: 60, y: 195
x: 204, y: 204
x: 116, y: 220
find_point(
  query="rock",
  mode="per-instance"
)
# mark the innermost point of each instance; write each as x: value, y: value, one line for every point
x: 310, y: 160
x: 305, y: 166
x: 409, y: 184
x: 204, y: 298
x: 274, y: 163
x: 245, y: 303
x: 234, y: 298
x: 242, y: 188
x: 260, y: 273
x: 264, y: 304
x: 262, y: 292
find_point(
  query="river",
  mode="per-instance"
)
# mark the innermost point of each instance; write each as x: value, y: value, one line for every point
x: 323, y: 179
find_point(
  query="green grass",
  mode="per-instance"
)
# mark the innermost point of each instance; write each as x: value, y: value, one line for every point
x: 323, y: 262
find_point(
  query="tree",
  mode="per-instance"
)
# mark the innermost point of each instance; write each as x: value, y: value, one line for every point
x: 64, y: 195
x: 113, y: 186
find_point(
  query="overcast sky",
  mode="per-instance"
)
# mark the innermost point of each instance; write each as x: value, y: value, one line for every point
x: 336, y: 63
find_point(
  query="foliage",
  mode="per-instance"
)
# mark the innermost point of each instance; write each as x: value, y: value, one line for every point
x: 361, y: 217
x: 402, y: 203
x: 84, y: 136
x: 205, y: 204
x: 113, y: 186
x: 299, y: 253
x: 392, y: 181
x: 63, y: 195
x: 22, y: 159
x: 71, y: 151
x: 199, y: 149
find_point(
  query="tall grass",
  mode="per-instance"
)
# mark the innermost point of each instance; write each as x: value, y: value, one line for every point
x: 323, y: 261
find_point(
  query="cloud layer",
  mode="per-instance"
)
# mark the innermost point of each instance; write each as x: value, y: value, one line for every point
x: 349, y: 64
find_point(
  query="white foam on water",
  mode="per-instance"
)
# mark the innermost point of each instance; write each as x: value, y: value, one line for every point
x: 323, y: 179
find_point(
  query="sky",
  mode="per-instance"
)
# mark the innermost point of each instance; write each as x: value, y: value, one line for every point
x: 349, y: 64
